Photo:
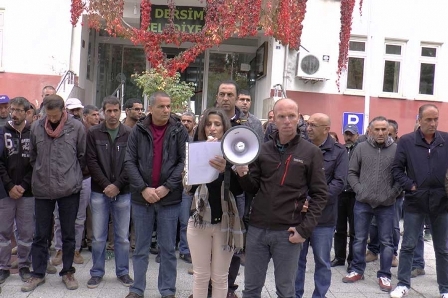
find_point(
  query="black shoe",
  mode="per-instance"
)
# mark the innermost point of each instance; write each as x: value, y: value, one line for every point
x: 337, y: 262
x: 185, y: 257
x: 154, y: 250
x: 24, y: 273
x: 158, y: 258
x: 126, y: 280
x: 4, y: 274
x: 94, y: 282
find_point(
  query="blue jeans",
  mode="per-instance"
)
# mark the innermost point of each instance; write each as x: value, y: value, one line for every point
x: 167, y: 218
x: 120, y: 208
x: 321, y: 240
x: 184, y: 215
x: 413, y: 223
x: 44, y: 208
x: 385, y: 220
x: 374, y: 244
x: 261, y: 245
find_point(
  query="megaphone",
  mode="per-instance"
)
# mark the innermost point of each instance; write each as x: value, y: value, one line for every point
x: 240, y: 145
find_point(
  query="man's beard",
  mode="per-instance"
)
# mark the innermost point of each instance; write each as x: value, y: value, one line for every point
x: 77, y: 117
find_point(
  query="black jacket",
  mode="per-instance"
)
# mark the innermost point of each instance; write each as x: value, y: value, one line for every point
x: 281, y: 183
x: 105, y: 159
x: 15, y: 167
x: 336, y: 169
x: 139, y: 159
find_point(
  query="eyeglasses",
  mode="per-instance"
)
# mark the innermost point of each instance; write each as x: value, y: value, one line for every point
x: 312, y: 125
x: 137, y: 109
x: 12, y: 110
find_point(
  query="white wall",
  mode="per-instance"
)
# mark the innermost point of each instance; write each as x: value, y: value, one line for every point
x: 37, y: 36
x: 416, y: 23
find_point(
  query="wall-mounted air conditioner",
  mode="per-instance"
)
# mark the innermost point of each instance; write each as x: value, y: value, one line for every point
x: 312, y: 66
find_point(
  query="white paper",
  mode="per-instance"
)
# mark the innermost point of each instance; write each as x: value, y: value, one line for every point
x: 199, y: 171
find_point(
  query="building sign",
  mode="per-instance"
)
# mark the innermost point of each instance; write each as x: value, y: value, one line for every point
x: 353, y: 118
x: 186, y: 19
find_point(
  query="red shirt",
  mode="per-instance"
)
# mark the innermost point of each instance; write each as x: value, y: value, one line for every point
x: 158, y: 133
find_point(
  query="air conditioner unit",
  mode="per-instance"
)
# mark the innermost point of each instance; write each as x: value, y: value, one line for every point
x: 314, y: 67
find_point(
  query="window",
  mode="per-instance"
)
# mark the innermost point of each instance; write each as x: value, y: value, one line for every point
x: 355, y: 68
x: 428, y: 61
x: 2, y: 18
x: 393, y: 58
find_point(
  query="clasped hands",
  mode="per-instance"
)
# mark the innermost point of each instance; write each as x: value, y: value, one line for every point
x: 153, y: 195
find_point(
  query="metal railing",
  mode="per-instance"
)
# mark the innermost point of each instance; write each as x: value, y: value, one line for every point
x: 68, y: 78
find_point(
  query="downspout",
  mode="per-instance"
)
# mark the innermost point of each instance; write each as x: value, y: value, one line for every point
x: 285, y: 69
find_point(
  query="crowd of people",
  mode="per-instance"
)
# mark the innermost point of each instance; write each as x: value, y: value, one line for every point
x: 77, y: 176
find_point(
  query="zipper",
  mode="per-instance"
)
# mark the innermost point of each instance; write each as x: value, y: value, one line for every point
x: 286, y: 168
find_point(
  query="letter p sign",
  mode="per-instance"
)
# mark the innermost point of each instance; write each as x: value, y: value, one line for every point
x: 353, y: 118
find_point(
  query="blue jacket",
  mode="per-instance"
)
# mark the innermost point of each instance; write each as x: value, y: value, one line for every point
x: 336, y: 168
x: 423, y: 165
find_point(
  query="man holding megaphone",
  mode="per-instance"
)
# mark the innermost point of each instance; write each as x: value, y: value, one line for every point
x: 287, y: 170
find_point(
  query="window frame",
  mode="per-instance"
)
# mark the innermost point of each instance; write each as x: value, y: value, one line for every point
x: 428, y: 60
x: 394, y: 58
x: 361, y: 55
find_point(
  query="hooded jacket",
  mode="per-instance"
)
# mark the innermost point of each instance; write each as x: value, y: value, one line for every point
x: 57, y: 162
x: 281, y: 183
x: 370, y: 174
x: 139, y: 160
x: 15, y: 167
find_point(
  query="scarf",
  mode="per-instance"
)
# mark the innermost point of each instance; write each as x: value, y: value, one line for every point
x: 231, y: 223
x: 57, y: 132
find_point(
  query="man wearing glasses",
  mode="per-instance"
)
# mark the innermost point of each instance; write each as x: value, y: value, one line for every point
x: 134, y: 112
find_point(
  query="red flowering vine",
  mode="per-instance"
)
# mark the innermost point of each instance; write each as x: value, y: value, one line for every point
x: 281, y: 19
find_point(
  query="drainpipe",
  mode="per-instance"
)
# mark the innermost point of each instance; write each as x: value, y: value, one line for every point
x: 285, y: 69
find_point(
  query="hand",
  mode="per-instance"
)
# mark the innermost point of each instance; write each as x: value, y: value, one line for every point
x: 150, y: 195
x: 111, y: 191
x: 242, y: 170
x: 305, y: 206
x: 294, y: 236
x: 16, y: 192
x: 162, y: 191
x: 414, y: 188
x: 218, y: 163
x: 211, y: 139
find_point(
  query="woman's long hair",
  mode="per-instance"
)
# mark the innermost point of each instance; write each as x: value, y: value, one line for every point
x: 203, y: 123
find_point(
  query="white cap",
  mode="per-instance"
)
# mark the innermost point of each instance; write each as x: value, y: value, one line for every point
x: 73, y: 103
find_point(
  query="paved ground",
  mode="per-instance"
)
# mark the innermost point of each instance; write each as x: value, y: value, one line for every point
x: 423, y: 286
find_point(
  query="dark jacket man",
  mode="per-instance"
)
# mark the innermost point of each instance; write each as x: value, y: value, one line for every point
x: 15, y: 166
x: 105, y: 160
x: 336, y: 168
x: 274, y: 179
x: 140, y: 155
x: 423, y: 165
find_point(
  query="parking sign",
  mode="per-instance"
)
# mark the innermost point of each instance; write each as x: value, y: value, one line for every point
x: 353, y: 118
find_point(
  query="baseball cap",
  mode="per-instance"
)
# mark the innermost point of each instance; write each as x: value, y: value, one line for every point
x: 351, y: 128
x: 4, y: 99
x: 73, y: 103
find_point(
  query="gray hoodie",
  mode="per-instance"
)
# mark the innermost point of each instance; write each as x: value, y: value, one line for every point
x: 370, y: 174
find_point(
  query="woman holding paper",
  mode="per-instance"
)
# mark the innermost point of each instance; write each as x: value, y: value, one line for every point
x: 215, y: 229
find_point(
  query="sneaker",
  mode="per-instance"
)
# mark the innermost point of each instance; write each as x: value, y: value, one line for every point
x: 154, y: 250
x: 384, y: 284
x: 51, y: 269
x: 352, y: 277
x: 399, y: 291
x: 94, y: 282
x: 370, y: 256
x: 70, y: 281
x: 126, y: 280
x: 133, y: 295
x: 4, y: 274
x: 394, y: 261
x: 32, y: 283
x: 24, y: 273
x: 444, y: 295
x: 78, y: 259
x: 57, y: 259
x: 417, y: 272
x: 185, y: 257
